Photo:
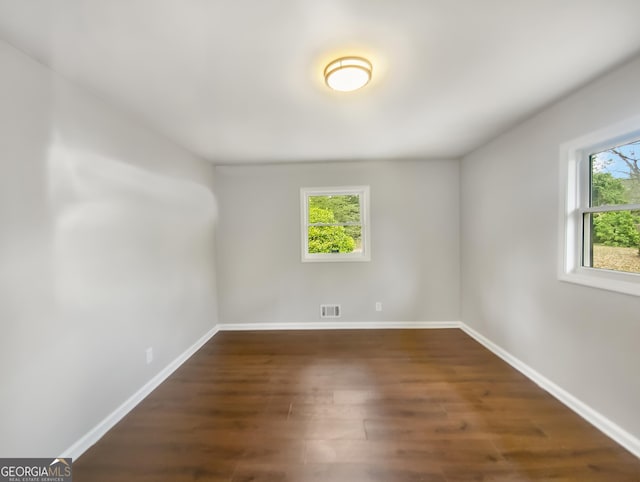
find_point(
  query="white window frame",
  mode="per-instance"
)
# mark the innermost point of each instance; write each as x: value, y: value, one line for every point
x: 575, y: 167
x: 363, y: 194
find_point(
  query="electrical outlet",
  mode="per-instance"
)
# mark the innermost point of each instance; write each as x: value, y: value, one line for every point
x: 149, y: 352
x: 378, y: 306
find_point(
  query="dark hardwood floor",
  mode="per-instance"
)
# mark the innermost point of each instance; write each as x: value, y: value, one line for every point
x: 352, y: 406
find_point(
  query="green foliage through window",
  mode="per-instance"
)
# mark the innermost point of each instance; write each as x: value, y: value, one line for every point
x: 334, y: 223
x: 617, y: 228
x: 607, y: 190
x: 328, y: 239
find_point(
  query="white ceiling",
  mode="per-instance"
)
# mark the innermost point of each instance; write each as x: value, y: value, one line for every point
x: 241, y: 80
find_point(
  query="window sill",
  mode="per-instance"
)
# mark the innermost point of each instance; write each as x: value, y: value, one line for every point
x: 625, y: 283
x: 334, y: 258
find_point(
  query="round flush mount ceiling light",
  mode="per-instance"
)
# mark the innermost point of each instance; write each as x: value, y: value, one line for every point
x: 348, y: 73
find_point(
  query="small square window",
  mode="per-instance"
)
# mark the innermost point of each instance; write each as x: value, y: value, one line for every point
x: 335, y: 224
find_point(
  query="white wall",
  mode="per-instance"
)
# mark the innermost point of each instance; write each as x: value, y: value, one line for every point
x: 106, y: 235
x: 414, y: 270
x: 585, y: 340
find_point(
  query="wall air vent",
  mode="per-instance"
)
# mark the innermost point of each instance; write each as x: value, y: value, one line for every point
x: 329, y: 311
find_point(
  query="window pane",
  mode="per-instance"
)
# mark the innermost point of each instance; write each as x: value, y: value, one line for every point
x: 615, y: 240
x: 615, y: 175
x: 332, y: 239
x: 344, y: 208
x: 355, y: 232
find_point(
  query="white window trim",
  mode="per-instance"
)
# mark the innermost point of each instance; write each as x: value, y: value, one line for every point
x: 574, y: 166
x: 363, y: 192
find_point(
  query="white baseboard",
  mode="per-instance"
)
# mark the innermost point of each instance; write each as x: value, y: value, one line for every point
x: 339, y: 325
x: 96, y: 433
x: 615, y: 432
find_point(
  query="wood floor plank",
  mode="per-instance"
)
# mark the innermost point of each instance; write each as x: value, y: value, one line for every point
x: 352, y: 406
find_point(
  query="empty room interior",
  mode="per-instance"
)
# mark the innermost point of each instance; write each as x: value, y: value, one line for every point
x: 338, y: 240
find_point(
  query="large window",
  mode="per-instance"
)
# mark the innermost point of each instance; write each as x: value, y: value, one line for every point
x: 335, y: 224
x: 602, y: 212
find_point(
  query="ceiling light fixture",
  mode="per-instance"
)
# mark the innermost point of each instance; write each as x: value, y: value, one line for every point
x: 348, y: 73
